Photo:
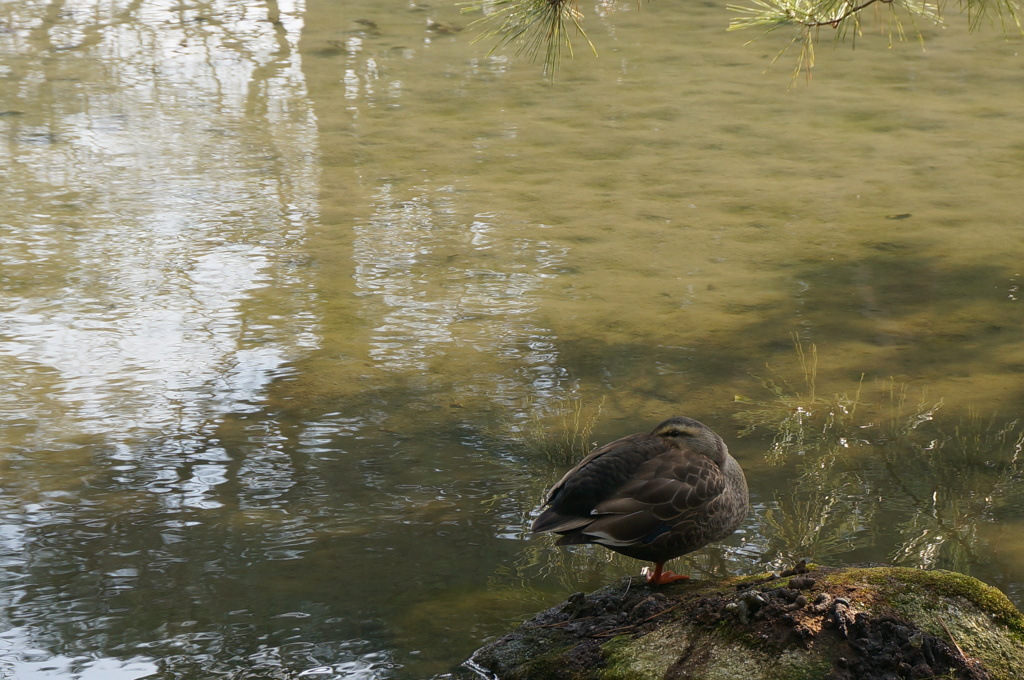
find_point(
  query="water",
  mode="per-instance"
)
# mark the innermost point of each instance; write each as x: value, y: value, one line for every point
x: 287, y: 286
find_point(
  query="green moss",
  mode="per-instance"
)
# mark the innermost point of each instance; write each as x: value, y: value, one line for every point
x: 928, y: 598
x: 800, y: 665
x: 632, y: 658
x: 735, y: 655
x: 952, y: 584
x: 985, y: 597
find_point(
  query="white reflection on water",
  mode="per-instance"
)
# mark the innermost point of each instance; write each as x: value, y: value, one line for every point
x: 20, y: 659
x: 450, y: 286
x: 437, y: 283
x: 160, y: 171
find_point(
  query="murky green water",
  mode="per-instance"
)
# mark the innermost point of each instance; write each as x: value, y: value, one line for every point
x: 285, y: 287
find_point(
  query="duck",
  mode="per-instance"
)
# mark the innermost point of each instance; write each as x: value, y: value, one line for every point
x: 650, y: 496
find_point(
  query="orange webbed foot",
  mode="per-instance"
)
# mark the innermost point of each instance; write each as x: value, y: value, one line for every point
x: 659, y: 577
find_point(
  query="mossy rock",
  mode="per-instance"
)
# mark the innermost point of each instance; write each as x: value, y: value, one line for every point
x: 816, y: 623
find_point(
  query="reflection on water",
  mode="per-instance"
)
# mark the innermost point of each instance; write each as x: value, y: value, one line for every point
x: 291, y: 291
x: 140, y: 237
x: 36, y: 664
x: 440, y: 286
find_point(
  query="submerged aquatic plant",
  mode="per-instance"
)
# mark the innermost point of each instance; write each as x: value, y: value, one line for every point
x: 801, y: 420
x: 558, y: 432
x: 824, y: 513
x: 799, y: 417
x: 940, y: 485
x: 954, y: 487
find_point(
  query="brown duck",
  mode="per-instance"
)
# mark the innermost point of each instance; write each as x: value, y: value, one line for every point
x: 651, y: 496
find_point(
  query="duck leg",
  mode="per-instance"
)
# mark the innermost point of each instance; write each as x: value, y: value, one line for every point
x: 659, y: 577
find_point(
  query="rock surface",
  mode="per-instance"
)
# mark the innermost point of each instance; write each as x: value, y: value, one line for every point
x: 817, y: 623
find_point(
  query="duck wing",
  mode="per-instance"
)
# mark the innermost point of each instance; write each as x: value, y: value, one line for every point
x: 671, y: 498
x: 595, y: 479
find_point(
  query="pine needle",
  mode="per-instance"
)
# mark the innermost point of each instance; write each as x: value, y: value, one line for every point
x: 536, y: 26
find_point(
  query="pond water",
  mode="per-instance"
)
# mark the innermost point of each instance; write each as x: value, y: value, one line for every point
x: 305, y: 304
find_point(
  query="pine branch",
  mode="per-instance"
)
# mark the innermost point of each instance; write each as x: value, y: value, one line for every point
x: 545, y: 26
x: 533, y: 25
